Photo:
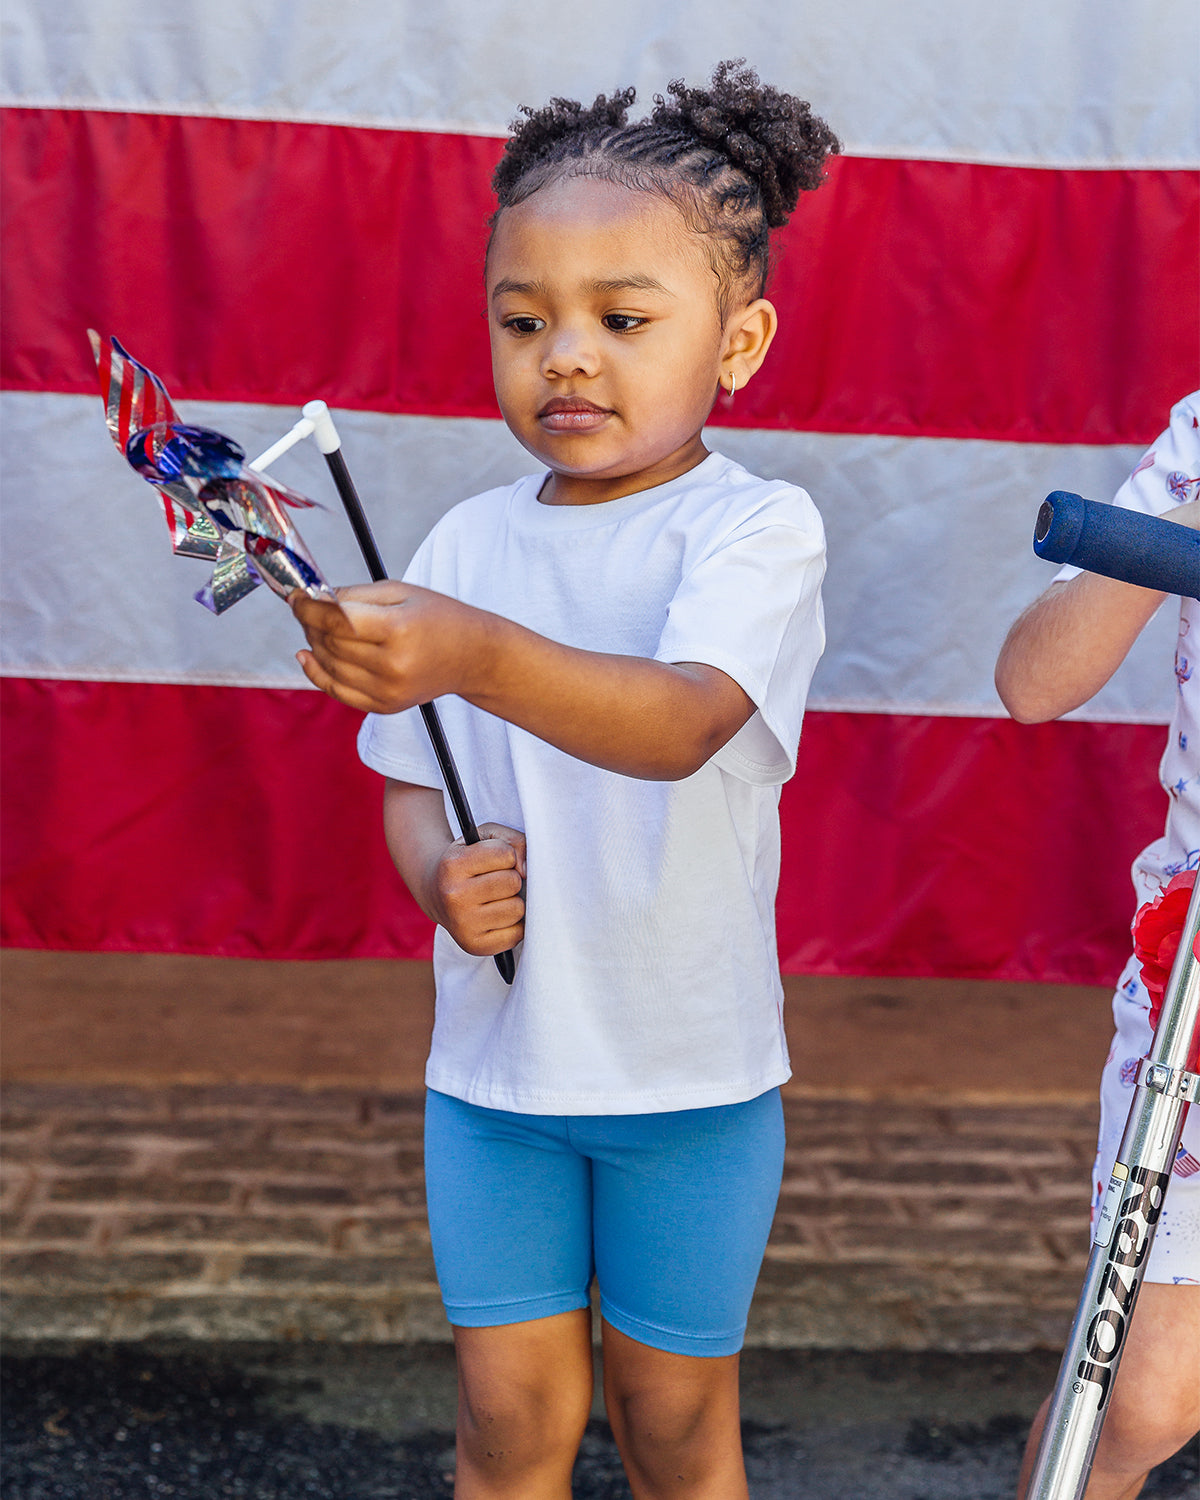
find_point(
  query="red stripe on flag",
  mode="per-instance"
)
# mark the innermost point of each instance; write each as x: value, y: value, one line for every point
x: 240, y: 822
x: 274, y: 261
x: 975, y: 848
x: 194, y: 820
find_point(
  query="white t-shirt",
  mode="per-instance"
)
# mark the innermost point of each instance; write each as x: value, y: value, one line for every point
x: 648, y: 978
x: 1169, y: 475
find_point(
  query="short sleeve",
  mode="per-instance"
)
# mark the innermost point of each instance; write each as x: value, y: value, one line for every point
x: 751, y: 606
x: 1166, y: 475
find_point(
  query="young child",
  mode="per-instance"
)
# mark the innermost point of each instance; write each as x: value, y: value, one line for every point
x: 623, y: 643
x: 1057, y: 655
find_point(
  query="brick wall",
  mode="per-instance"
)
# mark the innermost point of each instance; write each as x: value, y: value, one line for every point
x: 253, y: 1212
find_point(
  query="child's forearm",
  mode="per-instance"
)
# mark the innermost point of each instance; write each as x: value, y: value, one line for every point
x: 396, y: 646
x: 417, y: 834
x: 655, y: 720
x: 1063, y: 649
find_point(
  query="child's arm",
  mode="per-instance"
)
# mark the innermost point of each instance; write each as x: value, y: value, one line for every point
x: 1063, y: 649
x: 472, y: 890
x: 393, y: 645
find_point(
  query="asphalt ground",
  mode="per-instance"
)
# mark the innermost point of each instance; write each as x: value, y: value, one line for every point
x: 321, y: 1422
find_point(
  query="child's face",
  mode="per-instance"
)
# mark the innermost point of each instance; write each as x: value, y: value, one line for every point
x: 606, y: 338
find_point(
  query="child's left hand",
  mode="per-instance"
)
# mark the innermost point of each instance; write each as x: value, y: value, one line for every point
x: 389, y: 646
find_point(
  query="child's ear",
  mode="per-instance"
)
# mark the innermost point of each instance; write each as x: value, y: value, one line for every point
x: 748, y: 336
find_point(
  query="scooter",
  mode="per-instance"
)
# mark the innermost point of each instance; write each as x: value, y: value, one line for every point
x: 1154, y: 553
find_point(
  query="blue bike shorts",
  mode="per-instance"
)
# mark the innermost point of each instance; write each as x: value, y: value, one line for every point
x: 669, y: 1212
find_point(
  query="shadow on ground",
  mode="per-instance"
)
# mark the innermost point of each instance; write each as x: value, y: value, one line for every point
x: 339, y: 1423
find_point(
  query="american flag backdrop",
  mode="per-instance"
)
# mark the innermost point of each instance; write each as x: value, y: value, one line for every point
x: 994, y: 295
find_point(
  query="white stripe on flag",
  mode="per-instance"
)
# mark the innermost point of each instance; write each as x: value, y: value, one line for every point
x: 929, y: 546
x: 1064, y: 82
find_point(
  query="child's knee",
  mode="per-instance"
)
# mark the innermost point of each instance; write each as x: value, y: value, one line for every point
x: 669, y: 1419
x: 526, y: 1416
x: 686, y: 1420
x: 517, y: 1410
x: 1155, y: 1402
x: 1143, y: 1429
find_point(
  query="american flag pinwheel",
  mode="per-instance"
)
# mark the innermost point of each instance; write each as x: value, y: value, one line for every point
x: 216, y: 507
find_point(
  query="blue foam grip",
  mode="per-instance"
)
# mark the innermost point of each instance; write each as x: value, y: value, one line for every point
x: 1120, y: 543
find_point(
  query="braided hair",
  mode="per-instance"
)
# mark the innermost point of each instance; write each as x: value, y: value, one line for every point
x: 734, y: 157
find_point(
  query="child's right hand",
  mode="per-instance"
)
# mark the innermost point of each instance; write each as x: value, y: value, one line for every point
x: 477, y: 890
x: 387, y: 646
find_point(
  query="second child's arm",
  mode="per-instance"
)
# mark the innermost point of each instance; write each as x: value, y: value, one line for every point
x: 392, y: 645
x: 1063, y: 649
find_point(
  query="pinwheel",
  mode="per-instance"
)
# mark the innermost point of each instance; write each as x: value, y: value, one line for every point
x: 219, y: 507
x: 215, y: 505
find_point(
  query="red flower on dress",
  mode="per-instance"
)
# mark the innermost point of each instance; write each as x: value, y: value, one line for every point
x: 1157, y: 930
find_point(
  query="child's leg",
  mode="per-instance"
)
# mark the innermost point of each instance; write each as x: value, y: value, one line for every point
x: 1155, y: 1403
x: 676, y: 1420
x: 524, y: 1395
x: 683, y: 1207
x: 510, y: 1216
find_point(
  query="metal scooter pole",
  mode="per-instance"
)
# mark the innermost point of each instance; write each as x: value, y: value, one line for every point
x: 1129, y: 1213
x: 1123, y: 1235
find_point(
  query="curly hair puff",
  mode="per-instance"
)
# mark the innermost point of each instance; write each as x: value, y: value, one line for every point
x: 734, y: 157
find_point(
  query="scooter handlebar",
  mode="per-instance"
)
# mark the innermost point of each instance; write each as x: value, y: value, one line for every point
x: 1125, y: 544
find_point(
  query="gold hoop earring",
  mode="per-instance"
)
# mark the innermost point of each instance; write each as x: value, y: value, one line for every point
x: 732, y: 385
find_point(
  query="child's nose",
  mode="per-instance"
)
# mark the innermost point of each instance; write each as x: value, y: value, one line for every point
x: 570, y: 352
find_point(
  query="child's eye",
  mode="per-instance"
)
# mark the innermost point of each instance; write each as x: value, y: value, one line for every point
x: 522, y: 323
x: 622, y: 322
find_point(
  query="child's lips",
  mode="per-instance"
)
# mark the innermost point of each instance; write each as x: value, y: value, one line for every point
x: 572, y: 414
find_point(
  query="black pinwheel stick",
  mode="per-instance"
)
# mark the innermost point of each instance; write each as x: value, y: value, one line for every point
x: 330, y: 445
